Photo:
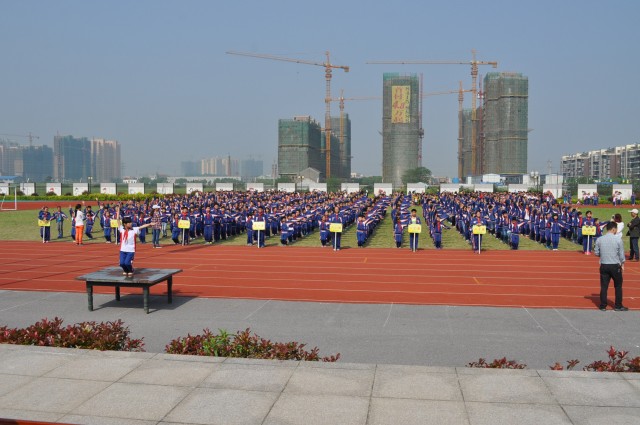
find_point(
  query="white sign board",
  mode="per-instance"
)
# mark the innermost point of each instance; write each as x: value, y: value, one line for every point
x: 350, y: 187
x: 4, y: 188
x: 382, y: 189
x: 165, y: 188
x: 586, y: 189
x: 625, y: 191
x: 55, y: 188
x: 194, y: 187
x: 28, y: 188
x: 108, y: 188
x: 487, y: 188
x: 555, y: 189
x: 416, y: 187
x: 256, y: 187
x: 450, y: 187
x: 135, y: 188
x: 80, y: 188
x: 287, y: 187
x: 224, y: 187
x: 317, y: 187
x: 514, y: 188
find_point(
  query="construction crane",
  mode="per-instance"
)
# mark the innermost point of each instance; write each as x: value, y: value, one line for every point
x: 474, y: 79
x: 328, y: 70
x: 28, y: 136
x: 460, y: 92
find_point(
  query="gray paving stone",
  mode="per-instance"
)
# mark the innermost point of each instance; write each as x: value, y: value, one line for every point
x: 337, y: 365
x: 188, y: 358
x: 272, y: 363
x: 345, y: 382
x: 32, y: 363
x: 384, y: 411
x: 599, y: 415
x: 589, y: 392
x: 503, y: 372
x: 98, y: 420
x: 418, y: 383
x: 630, y: 376
x: 95, y: 368
x: 133, y: 401
x: 249, y: 377
x: 516, y: 414
x: 164, y: 372
x: 120, y: 354
x: 29, y: 415
x: 505, y: 389
x: 223, y: 407
x: 10, y: 383
x: 580, y: 374
x: 51, y: 395
x: 318, y: 410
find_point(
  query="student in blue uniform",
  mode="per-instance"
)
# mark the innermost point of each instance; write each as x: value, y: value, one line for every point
x: 105, y: 222
x: 324, y: 230
x: 59, y: 218
x: 479, y: 221
x: 515, y: 234
x: 397, y: 233
x: 249, y: 227
x: 555, y: 227
x: 284, y: 231
x: 207, y: 221
x: 260, y: 234
x: 175, y: 229
x: 587, y: 241
x: 89, y: 220
x: 414, y: 237
x: 361, y: 232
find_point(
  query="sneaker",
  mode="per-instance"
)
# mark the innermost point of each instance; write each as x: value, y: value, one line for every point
x: 621, y: 308
x: 158, y: 246
x: 602, y: 308
x: 129, y: 274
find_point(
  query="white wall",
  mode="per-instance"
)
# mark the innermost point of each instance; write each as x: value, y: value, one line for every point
x: 287, y: 187
x: 317, y: 187
x: 55, y: 188
x: 624, y: 189
x: 258, y: 187
x: 28, y: 188
x: 108, y: 188
x: 587, y: 188
x: 450, y: 187
x: 513, y: 188
x: 80, y: 188
x: 135, y: 188
x: 224, y: 187
x: 164, y: 188
x: 555, y: 189
x: 194, y: 187
x: 487, y: 188
x: 386, y: 188
x: 350, y: 187
x: 416, y: 187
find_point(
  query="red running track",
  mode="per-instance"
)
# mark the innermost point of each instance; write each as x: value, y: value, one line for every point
x: 447, y: 277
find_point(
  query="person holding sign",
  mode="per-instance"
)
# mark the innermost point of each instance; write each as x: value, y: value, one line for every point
x: 587, y: 239
x: 128, y: 243
x: 260, y: 218
x: 481, y: 224
x: 414, y: 230
x: 336, y: 219
x: 634, y: 234
x: 44, y: 221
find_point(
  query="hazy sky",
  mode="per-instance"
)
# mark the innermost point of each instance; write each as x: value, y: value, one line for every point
x: 154, y: 74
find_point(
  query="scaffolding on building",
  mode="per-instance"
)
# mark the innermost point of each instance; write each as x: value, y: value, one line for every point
x: 299, y: 146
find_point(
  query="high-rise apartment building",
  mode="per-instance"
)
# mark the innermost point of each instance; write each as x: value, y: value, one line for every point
x: 33, y: 163
x: 400, y: 126
x: 299, y: 146
x: 603, y: 164
x: 341, y: 128
x: 105, y: 160
x: 504, y: 140
x: 71, y: 158
x: 250, y: 168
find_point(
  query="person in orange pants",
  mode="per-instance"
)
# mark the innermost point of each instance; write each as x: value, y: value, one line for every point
x: 79, y: 218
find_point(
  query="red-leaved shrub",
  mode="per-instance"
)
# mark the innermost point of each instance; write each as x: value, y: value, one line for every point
x: 89, y: 335
x: 243, y: 344
x: 502, y: 363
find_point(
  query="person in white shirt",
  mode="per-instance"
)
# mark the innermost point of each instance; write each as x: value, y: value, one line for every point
x: 128, y: 243
x: 79, y: 223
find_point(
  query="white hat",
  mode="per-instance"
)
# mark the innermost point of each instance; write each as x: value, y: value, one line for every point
x: 635, y: 211
x: 155, y: 207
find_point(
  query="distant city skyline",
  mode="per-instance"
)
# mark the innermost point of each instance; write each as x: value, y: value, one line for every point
x: 154, y: 74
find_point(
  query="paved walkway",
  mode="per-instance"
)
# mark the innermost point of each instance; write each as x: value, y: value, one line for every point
x: 90, y: 387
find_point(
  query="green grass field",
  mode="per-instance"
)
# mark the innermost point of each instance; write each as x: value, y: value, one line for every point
x: 22, y: 225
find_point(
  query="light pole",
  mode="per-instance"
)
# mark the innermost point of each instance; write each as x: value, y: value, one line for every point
x: 89, y: 179
x: 536, y: 178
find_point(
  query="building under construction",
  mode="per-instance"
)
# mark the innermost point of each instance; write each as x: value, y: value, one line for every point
x: 400, y: 126
x: 505, y: 120
x: 299, y: 146
x: 341, y: 128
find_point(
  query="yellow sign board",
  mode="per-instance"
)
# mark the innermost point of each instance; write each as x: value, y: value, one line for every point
x: 44, y: 223
x: 479, y: 229
x: 588, y: 230
x: 400, y: 99
x: 259, y: 225
x: 184, y: 224
x: 113, y: 223
x: 335, y: 227
x: 415, y: 228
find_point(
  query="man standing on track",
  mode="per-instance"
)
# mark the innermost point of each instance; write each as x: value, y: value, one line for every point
x: 634, y: 234
x: 611, y: 252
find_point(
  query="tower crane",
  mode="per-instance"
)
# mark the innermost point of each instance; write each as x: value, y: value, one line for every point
x: 28, y: 136
x: 474, y: 79
x: 328, y: 70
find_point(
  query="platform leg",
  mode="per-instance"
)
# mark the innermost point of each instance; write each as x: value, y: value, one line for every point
x: 169, y: 288
x: 145, y: 295
x: 90, y: 295
x: 117, y: 293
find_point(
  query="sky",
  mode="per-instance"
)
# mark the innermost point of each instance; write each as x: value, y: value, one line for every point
x: 154, y: 74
